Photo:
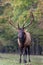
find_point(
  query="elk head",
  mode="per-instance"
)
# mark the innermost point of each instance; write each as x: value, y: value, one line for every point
x: 21, y: 31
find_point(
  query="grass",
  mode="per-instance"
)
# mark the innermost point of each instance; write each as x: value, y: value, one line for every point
x: 13, y: 59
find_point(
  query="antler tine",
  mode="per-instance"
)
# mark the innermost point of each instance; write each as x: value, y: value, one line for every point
x: 18, y: 26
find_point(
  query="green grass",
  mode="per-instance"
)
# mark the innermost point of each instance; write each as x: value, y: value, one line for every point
x: 13, y: 59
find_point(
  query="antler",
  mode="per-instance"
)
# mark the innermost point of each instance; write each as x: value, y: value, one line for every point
x: 25, y: 21
x: 32, y: 19
x: 11, y: 22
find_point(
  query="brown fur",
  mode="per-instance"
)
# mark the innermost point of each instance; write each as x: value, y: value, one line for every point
x: 27, y: 41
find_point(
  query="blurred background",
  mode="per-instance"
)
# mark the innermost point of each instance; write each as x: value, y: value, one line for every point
x: 19, y: 11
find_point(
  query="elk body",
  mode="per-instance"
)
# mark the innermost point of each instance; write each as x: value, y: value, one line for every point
x: 24, y: 40
x: 24, y: 43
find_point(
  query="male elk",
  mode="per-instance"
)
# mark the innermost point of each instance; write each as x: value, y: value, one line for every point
x: 24, y: 40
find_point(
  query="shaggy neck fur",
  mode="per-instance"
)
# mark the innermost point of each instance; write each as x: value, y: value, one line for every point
x: 22, y: 40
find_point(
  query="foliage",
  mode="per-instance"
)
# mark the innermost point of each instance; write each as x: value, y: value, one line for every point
x: 18, y: 11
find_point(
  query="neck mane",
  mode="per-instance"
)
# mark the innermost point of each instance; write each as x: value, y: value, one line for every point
x: 22, y: 40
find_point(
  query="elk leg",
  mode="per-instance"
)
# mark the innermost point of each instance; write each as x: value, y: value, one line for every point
x: 25, y: 55
x: 29, y: 53
x: 20, y: 54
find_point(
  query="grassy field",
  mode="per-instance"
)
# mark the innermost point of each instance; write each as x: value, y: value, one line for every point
x: 13, y: 59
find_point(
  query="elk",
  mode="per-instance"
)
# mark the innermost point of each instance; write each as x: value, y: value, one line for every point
x: 24, y: 39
